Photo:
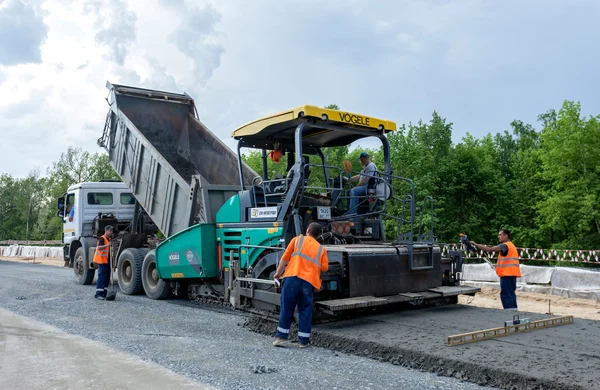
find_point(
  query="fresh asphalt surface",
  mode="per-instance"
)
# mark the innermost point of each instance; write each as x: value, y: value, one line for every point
x: 208, y: 347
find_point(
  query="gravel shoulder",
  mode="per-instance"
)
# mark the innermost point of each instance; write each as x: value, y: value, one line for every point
x: 207, y: 346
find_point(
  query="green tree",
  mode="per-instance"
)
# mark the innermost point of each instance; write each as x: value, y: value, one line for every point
x: 419, y: 152
x: 9, y: 199
x: 470, y: 189
x: 74, y: 166
x: 570, y: 160
x: 519, y: 163
x: 20, y: 201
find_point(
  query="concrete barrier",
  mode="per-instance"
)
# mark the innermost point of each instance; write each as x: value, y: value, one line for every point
x: 593, y: 294
x: 536, y: 275
x: 479, y: 273
x: 562, y: 281
x: 574, y: 278
x: 529, y: 274
x: 31, y: 251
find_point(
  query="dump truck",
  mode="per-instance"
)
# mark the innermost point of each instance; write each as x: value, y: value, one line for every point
x: 225, y: 226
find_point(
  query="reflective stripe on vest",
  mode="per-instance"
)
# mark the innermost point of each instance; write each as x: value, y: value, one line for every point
x: 298, y: 248
x: 507, y: 262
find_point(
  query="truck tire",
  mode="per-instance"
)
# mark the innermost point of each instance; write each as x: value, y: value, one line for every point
x: 129, y: 270
x: 81, y: 267
x: 154, y: 287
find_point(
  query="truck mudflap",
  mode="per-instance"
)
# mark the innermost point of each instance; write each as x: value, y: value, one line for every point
x: 339, y: 306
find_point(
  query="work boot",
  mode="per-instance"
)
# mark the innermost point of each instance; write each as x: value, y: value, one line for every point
x: 301, y: 345
x: 100, y: 297
x: 279, y: 342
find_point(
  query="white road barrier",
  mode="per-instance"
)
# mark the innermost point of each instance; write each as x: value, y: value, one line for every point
x: 31, y: 251
x: 562, y: 281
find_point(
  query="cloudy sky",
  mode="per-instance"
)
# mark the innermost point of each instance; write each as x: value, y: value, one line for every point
x: 479, y: 63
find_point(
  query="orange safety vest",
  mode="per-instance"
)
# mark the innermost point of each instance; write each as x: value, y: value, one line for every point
x: 509, y: 265
x: 307, y: 259
x: 101, y: 255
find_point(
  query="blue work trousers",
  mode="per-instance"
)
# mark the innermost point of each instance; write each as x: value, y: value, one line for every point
x: 296, y: 292
x: 103, y: 278
x: 355, y: 193
x: 508, y: 286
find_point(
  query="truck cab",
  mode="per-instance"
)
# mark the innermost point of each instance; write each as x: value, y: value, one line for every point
x: 80, y: 208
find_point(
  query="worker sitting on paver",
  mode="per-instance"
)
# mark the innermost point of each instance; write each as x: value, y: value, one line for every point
x: 305, y: 259
x: 101, y: 258
x: 507, y: 268
x: 368, y: 173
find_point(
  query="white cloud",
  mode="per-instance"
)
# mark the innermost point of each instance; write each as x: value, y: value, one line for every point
x: 196, y: 38
x: 22, y: 31
x: 115, y: 25
x: 481, y: 64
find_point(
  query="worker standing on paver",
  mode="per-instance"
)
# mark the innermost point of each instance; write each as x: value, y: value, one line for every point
x: 507, y: 268
x: 101, y: 258
x: 304, y: 259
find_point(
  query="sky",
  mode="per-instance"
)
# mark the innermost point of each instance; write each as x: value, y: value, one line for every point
x: 481, y: 64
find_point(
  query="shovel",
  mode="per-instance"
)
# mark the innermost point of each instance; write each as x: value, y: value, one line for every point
x: 112, y: 291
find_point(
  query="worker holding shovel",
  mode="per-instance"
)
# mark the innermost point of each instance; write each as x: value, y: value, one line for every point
x: 101, y: 258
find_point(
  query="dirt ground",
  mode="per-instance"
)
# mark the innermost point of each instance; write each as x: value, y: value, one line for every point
x: 537, y: 303
x: 56, y: 261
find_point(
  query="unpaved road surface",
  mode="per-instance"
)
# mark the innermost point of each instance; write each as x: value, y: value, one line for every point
x: 56, y: 261
x: 538, y: 303
x: 209, y: 347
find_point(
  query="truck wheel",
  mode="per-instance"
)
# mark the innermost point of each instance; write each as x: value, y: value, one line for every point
x: 154, y: 287
x: 129, y: 271
x: 81, y: 267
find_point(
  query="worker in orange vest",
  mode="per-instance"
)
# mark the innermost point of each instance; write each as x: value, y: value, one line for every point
x: 304, y: 259
x: 507, y: 268
x: 101, y: 258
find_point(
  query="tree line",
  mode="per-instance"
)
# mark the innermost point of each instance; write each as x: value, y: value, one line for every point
x: 542, y: 183
x: 28, y: 208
